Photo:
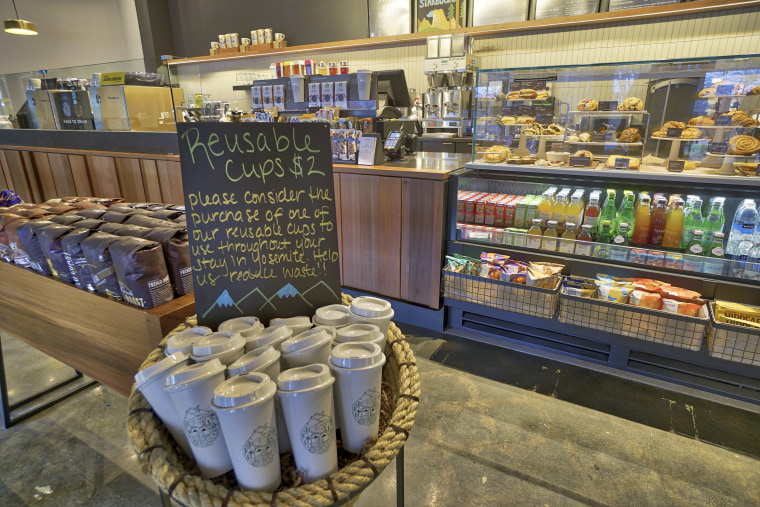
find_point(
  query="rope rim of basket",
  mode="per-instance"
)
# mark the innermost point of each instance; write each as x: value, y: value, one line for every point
x: 157, y: 457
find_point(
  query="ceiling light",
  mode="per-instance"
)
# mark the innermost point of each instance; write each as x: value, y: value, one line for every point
x: 19, y: 26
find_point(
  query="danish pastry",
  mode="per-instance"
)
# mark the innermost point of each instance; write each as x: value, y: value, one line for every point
x: 631, y: 104
x: 743, y: 145
x: 702, y: 121
x: 691, y: 133
x: 630, y: 135
x: 633, y: 163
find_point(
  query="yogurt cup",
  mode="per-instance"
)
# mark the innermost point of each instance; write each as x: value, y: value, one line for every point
x: 309, y: 347
x: 246, y: 326
x: 296, y: 324
x: 183, y: 341
x: 225, y: 346
x: 269, y: 336
x: 365, y: 333
x: 332, y: 315
x: 371, y: 310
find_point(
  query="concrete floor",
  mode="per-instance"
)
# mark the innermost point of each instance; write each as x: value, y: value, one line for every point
x: 475, y: 442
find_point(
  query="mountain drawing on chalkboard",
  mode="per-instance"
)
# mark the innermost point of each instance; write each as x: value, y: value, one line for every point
x: 262, y: 297
x: 288, y: 291
x: 224, y: 301
x: 319, y: 284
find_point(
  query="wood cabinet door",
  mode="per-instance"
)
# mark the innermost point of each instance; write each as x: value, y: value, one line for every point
x: 370, y: 217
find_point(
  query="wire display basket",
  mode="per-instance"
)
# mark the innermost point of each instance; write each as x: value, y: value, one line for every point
x: 654, y: 326
x: 731, y: 342
x: 502, y: 295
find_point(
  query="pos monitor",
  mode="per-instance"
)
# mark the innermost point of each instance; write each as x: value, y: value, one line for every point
x: 391, y: 87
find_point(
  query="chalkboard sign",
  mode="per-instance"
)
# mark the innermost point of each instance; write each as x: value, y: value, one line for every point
x: 718, y: 148
x: 723, y: 121
x: 608, y: 105
x: 676, y: 166
x: 261, y: 217
x: 674, y: 132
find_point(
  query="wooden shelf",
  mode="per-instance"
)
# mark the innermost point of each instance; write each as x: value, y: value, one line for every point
x: 679, y: 9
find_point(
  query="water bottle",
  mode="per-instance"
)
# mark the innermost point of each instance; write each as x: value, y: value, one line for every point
x: 752, y: 268
x: 740, y: 239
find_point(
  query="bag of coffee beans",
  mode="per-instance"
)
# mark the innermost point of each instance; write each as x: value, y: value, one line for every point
x: 130, y: 230
x: 111, y: 227
x: 166, y: 214
x: 114, y: 216
x: 27, y: 235
x: 75, y: 259
x: 92, y: 213
x: 50, y: 242
x: 6, y: 253
x: 88, y: 223
x: 141, y: 271
x: 18, y: 255
x: 100, y: 263
x: 66, y: 219
x: 176, y: 249
x: 146, y: 221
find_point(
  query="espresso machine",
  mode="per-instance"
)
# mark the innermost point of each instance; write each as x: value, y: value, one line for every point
x: 450, y: 71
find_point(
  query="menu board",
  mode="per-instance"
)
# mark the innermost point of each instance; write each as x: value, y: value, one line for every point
x: 261, y: 216
x: 434, y: 15
x: 560, y: 8
x: 619, y: 5
x: 389, y: 17
x: 490, y: 12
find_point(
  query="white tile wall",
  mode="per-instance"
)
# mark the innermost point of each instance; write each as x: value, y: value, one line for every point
x: 712, y: 34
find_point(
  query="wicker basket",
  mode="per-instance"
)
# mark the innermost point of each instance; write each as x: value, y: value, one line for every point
x: 174, y: 473
x: 513, y: 297
x: 733, y: 343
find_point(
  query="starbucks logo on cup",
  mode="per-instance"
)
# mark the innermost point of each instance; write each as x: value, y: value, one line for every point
x: 366, y: 408
x: 318, y: 433
x: 259, y: 448
x: 201, y: 427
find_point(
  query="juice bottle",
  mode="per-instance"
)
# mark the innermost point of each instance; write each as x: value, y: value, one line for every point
x: 567, y: 241
x: 657, y: 227
x: 584, y: 240
x: 533, y: 239
x: 641, y: 229
x: 559, y: 212
x: 549, y: 241
x: 674, y: 226
x: 574, y: 213
x: 602, y: 249
x: 591, y: 217
x: 545, y: 208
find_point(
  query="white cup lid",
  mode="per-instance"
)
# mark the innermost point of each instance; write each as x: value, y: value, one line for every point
x: 193, y: 372
x: 245, y: 389
x: 292, y: 322
x: 218, y: 342
x: 310, y: 338
x: 270, y: 335
x: 333, y: 315
x: 165, y: 364
x: 357, y: 355
x: 358, y: 333
x: 366, y: 306
x: 305, y: 377
x: 254, y: 360
x: 184, y: 341
x: 246, y: 326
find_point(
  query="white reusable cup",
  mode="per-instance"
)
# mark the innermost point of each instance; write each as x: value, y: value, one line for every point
x: 150, y: 382
x: 309, y: 347
x: 246, y: 326
x: 298, y: 84
x: 244, y: 405
x: 370, y: 310
x: 307, y: 402
x: 296, y: 324
x: 191, y: 390
x: 364, y: 82
x: 226, y: 346
x: 183, y: 341
x: 332, y: 315
x: 358, y: 369
x: 269, y: 336
x: 360, y: 333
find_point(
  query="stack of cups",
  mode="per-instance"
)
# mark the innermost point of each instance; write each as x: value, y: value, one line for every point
x: 246, y: 326
x: 184, y: 341
x: 358, y: 369
x: 191, y: 389
x: 309, y: 347
x: 360, y: 333
x: 296, y: 324
x: 227, y: 347
x: 150, y: 382
x: 307, y: 402
x: 369, y: 310
x: 245, y: 407
x: 270, y: 336
x: 332, y: 315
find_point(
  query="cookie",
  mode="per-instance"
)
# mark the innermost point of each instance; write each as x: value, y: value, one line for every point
x: 631, y: 104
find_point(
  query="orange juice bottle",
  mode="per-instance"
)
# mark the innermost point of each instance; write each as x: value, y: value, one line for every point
x: 533, y: 240
x: 559, y: 212
x: 545, y: 208
x: 674, y: 226
x: 643, y: 215
x: 575, y: 212
x: 550, y: 236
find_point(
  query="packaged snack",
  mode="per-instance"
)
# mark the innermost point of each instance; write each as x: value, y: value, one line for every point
x: 576, y: 291
x: 655, y: 258
x: 645, y: 299
x: 514, y: 271
x: 735, y: 313
x: 649, y: 285
x: 614, y: 294
x: 741, y: 322
x: 680, y: 307
x: 638, y: 255
x: 493, y: 258
x: 491, y: 271
x: 578, y: 282
x: 673, y: 260
x: 679, y: 293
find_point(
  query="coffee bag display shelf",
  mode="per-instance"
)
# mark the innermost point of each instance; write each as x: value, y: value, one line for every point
x: 177, y: 477
x: 631, y: 15
x: 103, y: 339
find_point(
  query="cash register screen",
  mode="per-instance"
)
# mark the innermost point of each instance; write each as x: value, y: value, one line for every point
x: 392, y: 141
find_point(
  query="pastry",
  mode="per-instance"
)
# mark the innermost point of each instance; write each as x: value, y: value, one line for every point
x: 588, y: 105
x: 708, y: 92
x: 659, y: 133
x: 631, y: 104
x: 528, y: 94
x: 630, y: 135
x: 755, y: 90
x: 584, y: 153
x: 702, y: 121
x: 496, y: 153
x: 508, y: 120
x: 673, y: 125
x: 691, y: 133
x: 585, y: 137
x: 530, y: 131
x: 633, y: 163
x: 525, y: 120
x: 743, y: 145
x: 555, y: 129
x: 742, y: 119
x: 749, y: 166
x: 689, y: 165
x: 537, y: 127
x: 573, y: 139
x: 513, y: 95
x: 522, y: 160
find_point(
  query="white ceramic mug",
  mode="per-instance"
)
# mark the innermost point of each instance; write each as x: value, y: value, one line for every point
x: 191, y: 390
x: 279, y: 36
x: 358, y: 369
x: 307, y: 403
x: 244, y: 405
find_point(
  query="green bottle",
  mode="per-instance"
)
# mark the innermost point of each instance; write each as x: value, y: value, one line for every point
x: 619, y: 250
x: 692, y: 223
x: 602, y: 248
x: 713, y: 265
x: 608, y: 211
x: 692, y: 260
x: 628, y: 215
x: 712, y: 224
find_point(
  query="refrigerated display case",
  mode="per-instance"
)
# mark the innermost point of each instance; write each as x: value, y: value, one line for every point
x: 667, y: 133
